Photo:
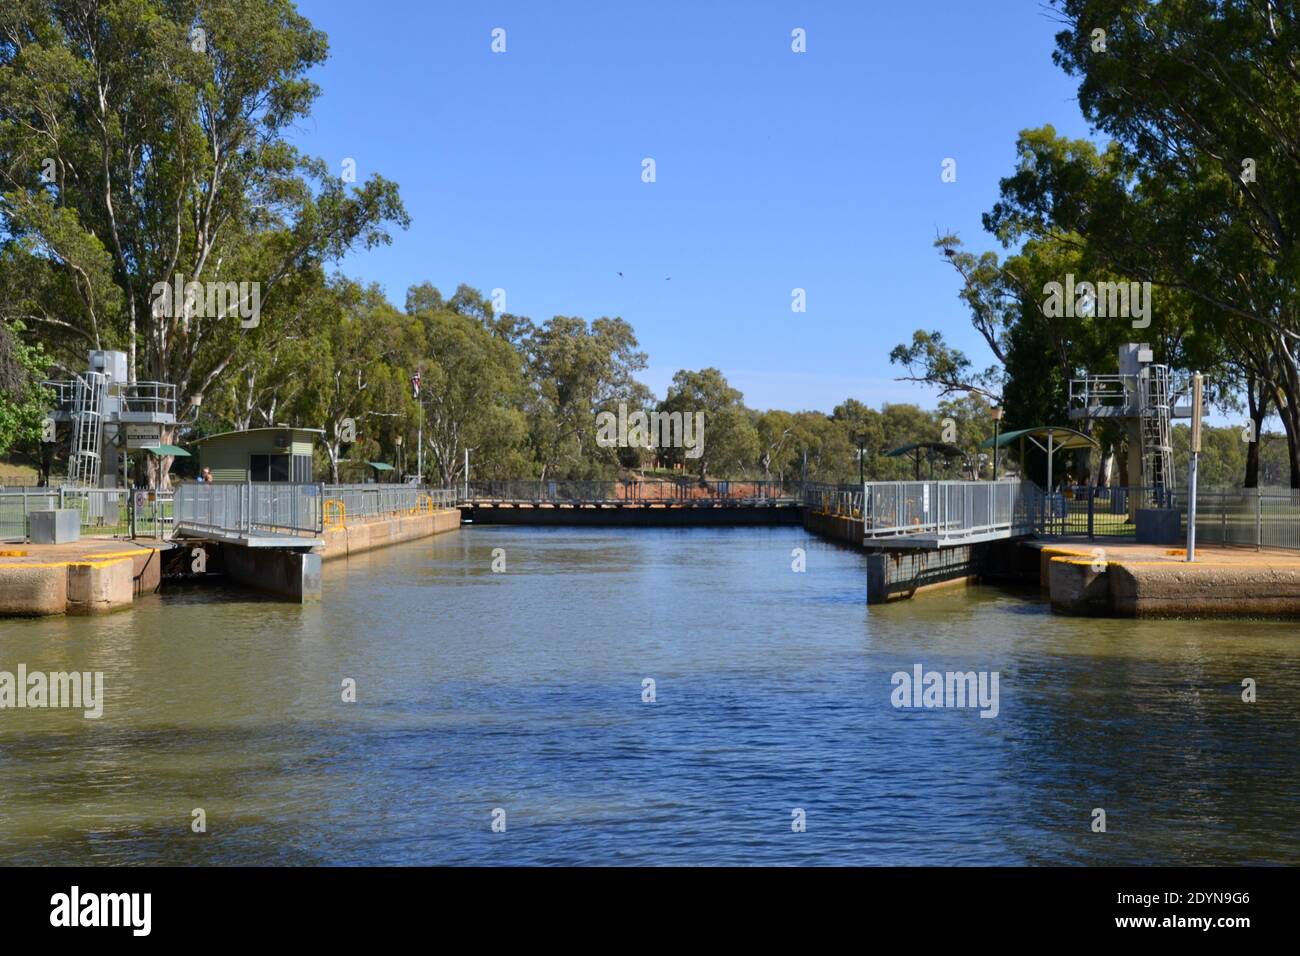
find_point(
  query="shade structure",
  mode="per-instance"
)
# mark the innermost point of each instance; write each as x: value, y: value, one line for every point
x: 1047, y: 438
x: 174, y: 450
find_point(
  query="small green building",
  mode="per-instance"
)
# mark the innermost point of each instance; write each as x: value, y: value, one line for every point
x: 260, y: 454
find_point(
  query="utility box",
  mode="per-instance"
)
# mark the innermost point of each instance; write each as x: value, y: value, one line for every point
x: 1159, y: 525
x: 58, y: 526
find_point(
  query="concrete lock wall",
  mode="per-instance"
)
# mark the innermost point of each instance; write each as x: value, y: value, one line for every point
x: 95, y: 587
x: 896, y: 574
x: 32, y: 590
x: 357, y: 536
x: 37, y: 589
x: 294, y: 575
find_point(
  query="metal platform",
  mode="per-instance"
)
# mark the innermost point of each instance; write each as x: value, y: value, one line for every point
x: 249, y: 539
x: 935, y: 542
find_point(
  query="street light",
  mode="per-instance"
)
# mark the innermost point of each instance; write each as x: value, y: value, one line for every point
x: 862, y: 459
x: 997, y: 421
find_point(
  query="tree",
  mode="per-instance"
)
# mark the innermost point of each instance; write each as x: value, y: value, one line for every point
x: 1196, y: 190
x: 472, y: 386
x: 23, y: 402
x: 142, y: 144
x: 728, y: 442
x: 576, y: 372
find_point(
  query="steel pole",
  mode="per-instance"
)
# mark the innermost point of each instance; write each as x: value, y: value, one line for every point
x: 996, y: 424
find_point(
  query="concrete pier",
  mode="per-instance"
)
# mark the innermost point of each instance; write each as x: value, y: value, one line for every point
x: 897, y: 574
x: 91, y: 576
x: 1130, y: 580
x: 295, y: 573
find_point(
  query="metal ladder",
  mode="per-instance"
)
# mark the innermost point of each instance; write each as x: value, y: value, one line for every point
x: 87, y: 430
x: 1157, y: 443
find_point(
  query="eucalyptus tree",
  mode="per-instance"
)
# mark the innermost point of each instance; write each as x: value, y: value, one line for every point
x: 143, y: 147
x: 1197, y: 193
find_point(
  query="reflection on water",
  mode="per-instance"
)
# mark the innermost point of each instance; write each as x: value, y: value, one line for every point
x: 522, y: 690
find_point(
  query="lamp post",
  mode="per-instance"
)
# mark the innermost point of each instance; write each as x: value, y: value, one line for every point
x: 862, y: 460
x: 398, y: 442
x: 997, y: 422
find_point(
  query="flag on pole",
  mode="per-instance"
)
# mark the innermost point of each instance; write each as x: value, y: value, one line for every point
x: 415, y: 385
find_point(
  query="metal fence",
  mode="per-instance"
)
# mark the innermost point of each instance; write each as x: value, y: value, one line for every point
x: 304, y: 509
x: 105, y: 512
x: 246, y: 508
x: 843, y: 501
x: 653, y: 490
x: 950, y: 509
x: 344, y: 503
x: 17, y: 503
x: 1102, y: 512
x: 1249, y: 517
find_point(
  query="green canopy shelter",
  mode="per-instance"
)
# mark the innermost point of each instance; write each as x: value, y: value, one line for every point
x: 1048, y: 438
x: 380, y: 467
x: 174, y: 450
x: 929, y: 449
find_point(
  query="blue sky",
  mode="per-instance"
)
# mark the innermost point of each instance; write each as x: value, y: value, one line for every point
x: 775, y: 170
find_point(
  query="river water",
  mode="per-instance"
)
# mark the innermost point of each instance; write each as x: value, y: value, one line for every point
x: 522, y: 691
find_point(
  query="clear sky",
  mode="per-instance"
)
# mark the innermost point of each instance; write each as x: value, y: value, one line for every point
x: 775, y: 170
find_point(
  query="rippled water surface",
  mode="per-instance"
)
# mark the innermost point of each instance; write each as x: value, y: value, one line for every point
x: 522, y: 690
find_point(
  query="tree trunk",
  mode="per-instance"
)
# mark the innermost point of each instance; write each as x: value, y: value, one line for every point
x: 1258, y: 409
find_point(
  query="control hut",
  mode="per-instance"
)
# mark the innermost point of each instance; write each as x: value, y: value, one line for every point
x: 279, y: 454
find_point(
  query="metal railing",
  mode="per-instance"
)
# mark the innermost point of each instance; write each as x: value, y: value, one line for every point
x: 650, y: 490
x: 152, y: 513
x: 105, y: 512
x: 237, y: 507
x: 17, y: 503
x: 132, y: 398
x: 145, y: 398
x: 347, y: 502
x: 843, y: 501
x: 950, y: 509
x: 1248, y: 517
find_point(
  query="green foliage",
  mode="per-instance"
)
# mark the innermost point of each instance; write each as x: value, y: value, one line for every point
x: 23, y: 402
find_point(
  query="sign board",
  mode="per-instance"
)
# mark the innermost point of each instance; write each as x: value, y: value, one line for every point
x: 1197, y: 409
x: 143, y: 436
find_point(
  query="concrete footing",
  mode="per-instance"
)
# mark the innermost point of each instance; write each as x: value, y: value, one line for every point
x: 294, y: 575
x: 896, y: 574
x: 359, y: 536
x: 97, y: 587
x: 87, y: 577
